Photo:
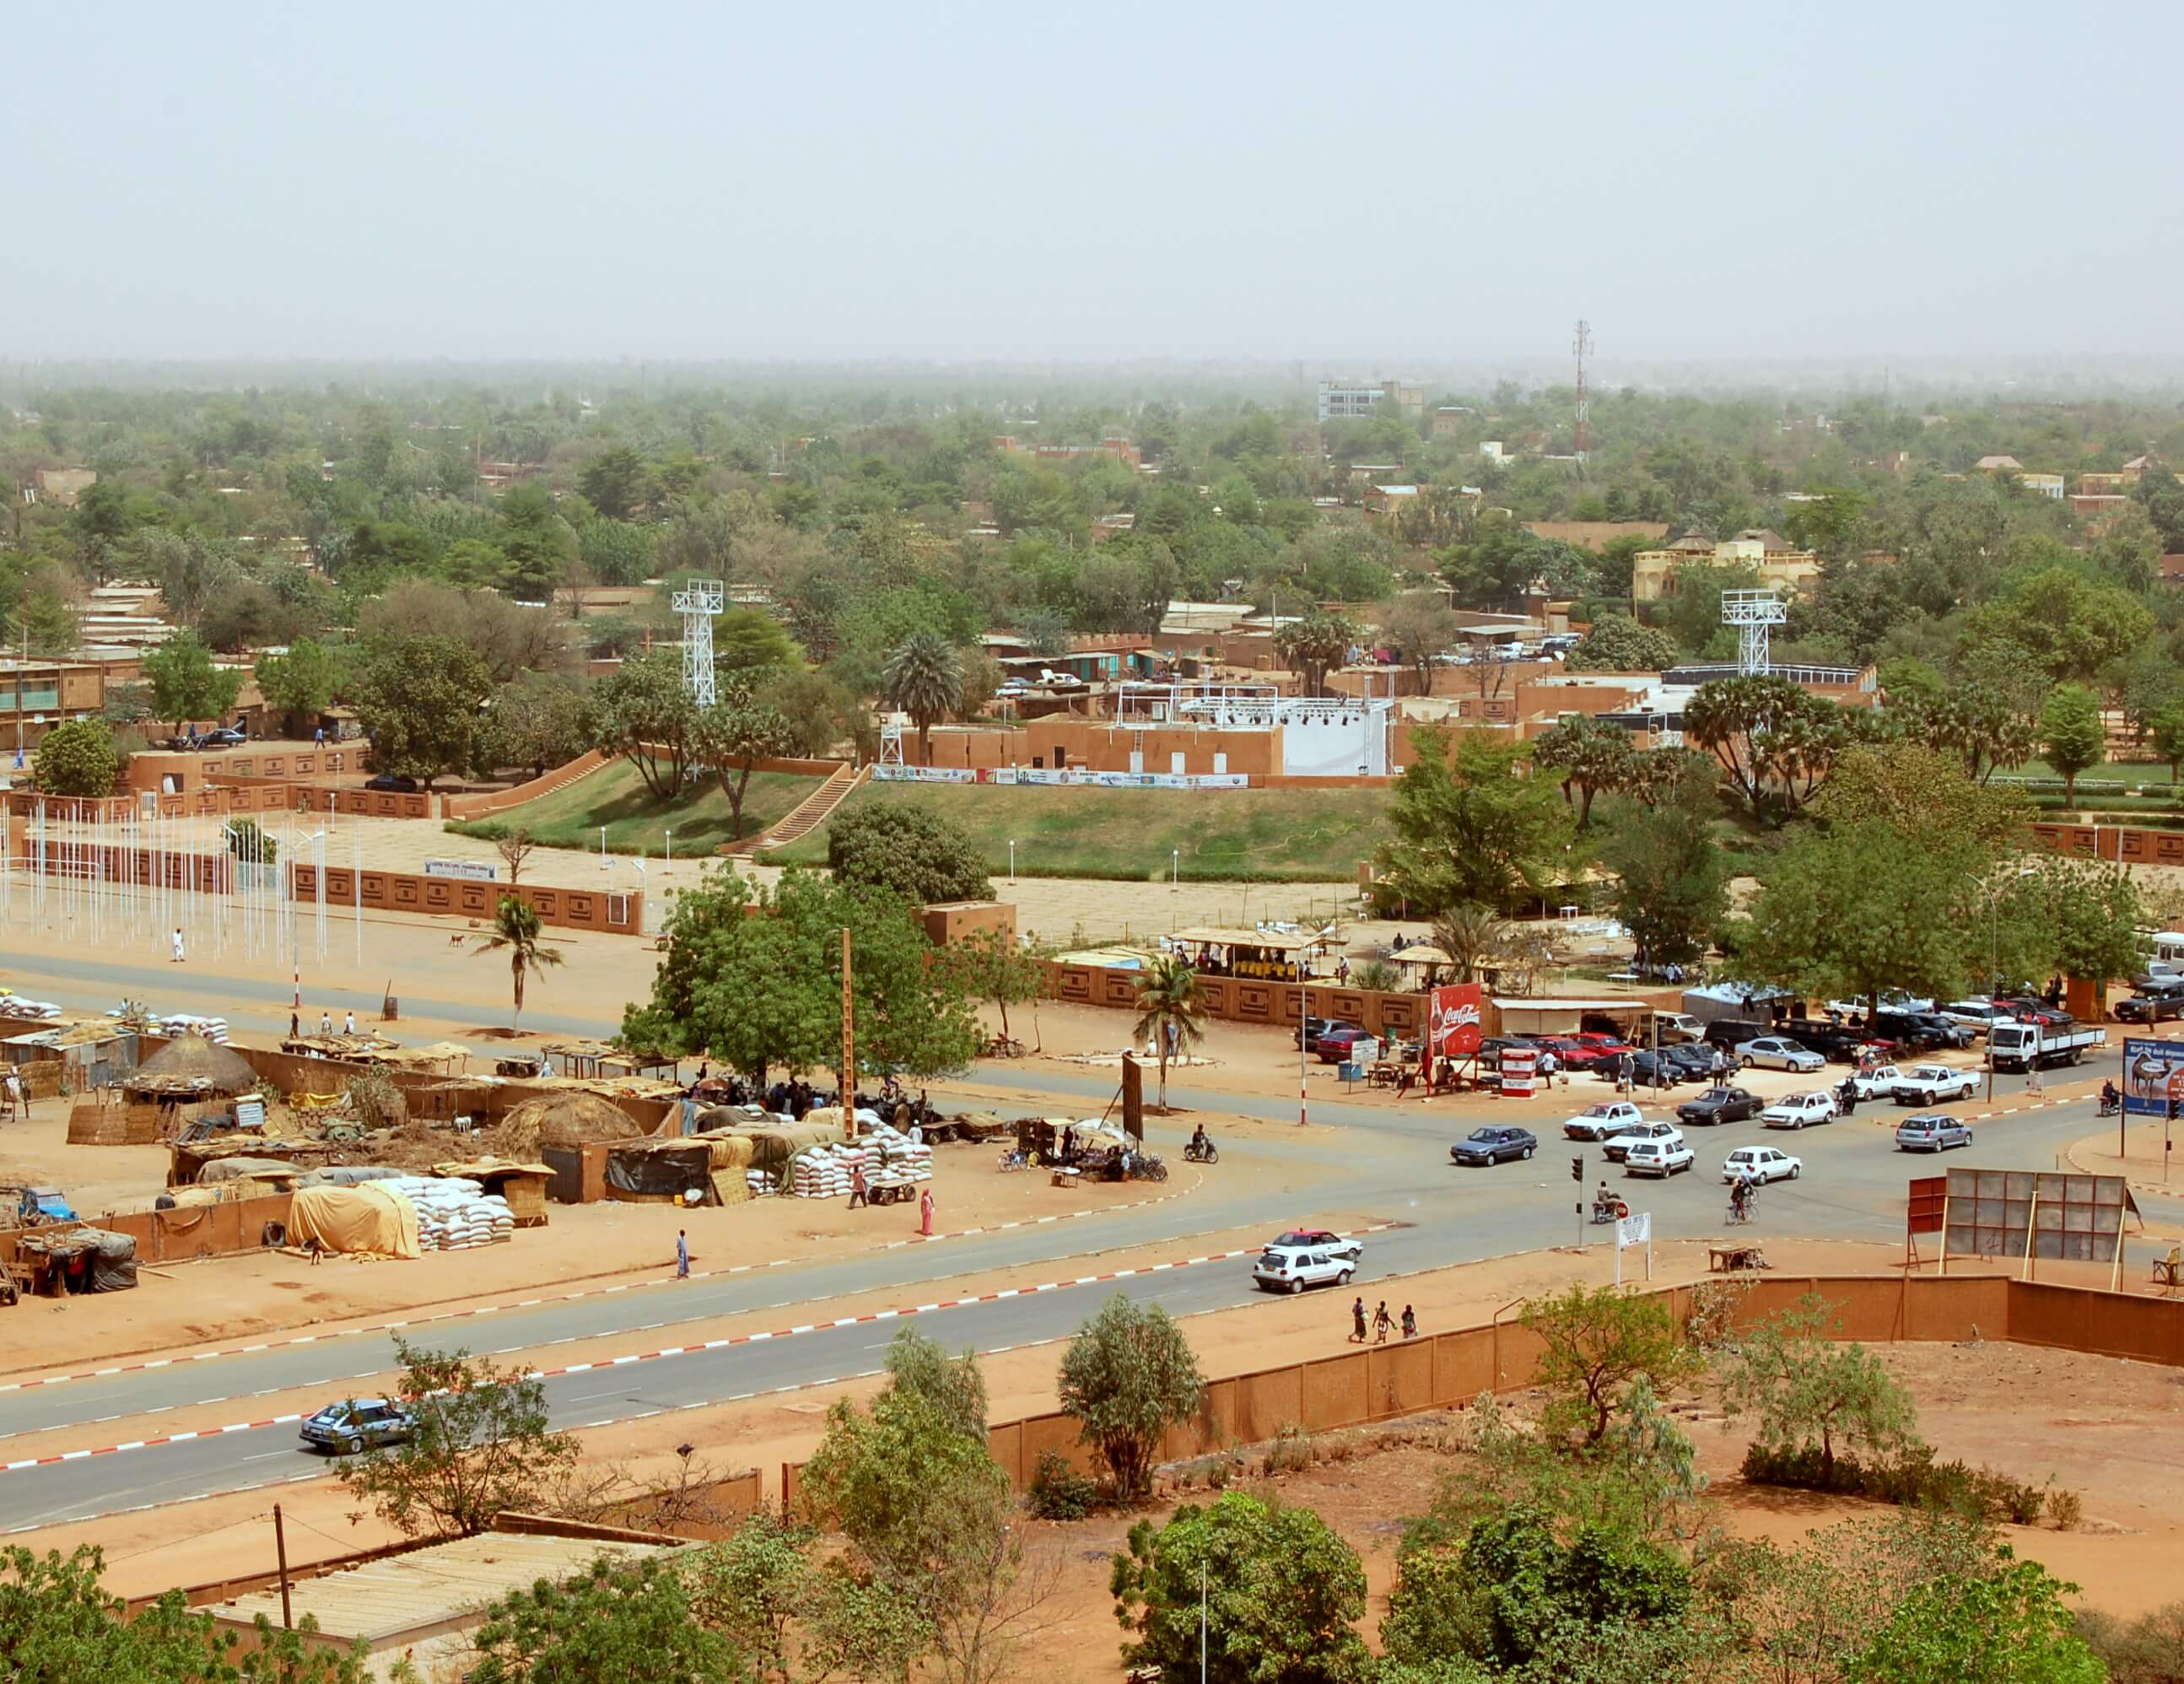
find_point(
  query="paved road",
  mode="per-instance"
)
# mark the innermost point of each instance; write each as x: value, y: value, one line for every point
x: 1852, y: 1188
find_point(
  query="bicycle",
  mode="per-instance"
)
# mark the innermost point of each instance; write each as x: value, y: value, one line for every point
x: 1012, y: 1161
x: 1739, y: 1214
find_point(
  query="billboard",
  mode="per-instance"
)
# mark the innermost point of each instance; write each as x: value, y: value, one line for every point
x: 2152, y: 1076
x: 1456, y: 1010
x: 2034, y: 1214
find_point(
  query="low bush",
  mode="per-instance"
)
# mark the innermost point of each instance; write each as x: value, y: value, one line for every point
x: 1058, y: 1492
x: 1912, y: 1480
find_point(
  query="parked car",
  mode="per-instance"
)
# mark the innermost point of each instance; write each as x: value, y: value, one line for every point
x: 1933, y: 1132
x: 1830, y: 1041
x: 1777, y: 1052
x: 1291, y: 1268
x: 1573, y: 1053
x: 393, y: 782
x: 1978, y: 1015
x: 1333, y: 1044
x: 1932, y: 1084
x: 1648, y: 1070
x: 1318, y: 1239
x: 1764, y: 1162
x: 1890, y: 999
x: 1309, y: 1031
x: 1494, y: 1143
x: 1918, y: 1031
x: 1614, y: 1046
x: 1676, y: 1027
x: 1703, y: 1063
x: 1621, y: 1144
x: 1721, y: 1105
x: 1492, y: 1047
x: 1663, y: 1157
x: 1730, y: 1032
x: 1878, y: 1083
x: 359, y: 1424
x: 2153, y: 1006
x: 1598, y: 1122
x: 1800, y: 1110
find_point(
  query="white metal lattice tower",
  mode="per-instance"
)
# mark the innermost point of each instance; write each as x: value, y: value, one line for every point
x: 698, y: 602
x: 890, y: 739
x: 1752, y: 612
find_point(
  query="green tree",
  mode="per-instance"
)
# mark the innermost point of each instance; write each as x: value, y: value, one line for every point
x: 955, y: 1387
x: 1769, y: 733
x: 1592, y: 755
x: 2166, y: 729
x: 538, y: 721
x: 1671, y: 878
x: 615, y: 482
x: 745, y: 640
x: 1618, y: 644
x: 1421, y: 628
x: 2072, y: 735
x: 751, y: 1585
x: 1312, y: 646
x: 822, y: 714
x: 992, y: 968
x: 1280, y: 1591
x: 78, y: 758
x: 2074, y: 627
x: 417, y: 698
x: 618, y: 1623
x: 1806, y: 1391
x: 644, y: 713
x: 1598, y: 1344
x: 518, y: 931
x: 1475, y: 937
x: 301, y: 684
x: 185, y: 684
x: 1130, y: 1375
x: 2008, y: 1627
x: 1469, y: 825
x: 924, y: 680
x: 616, y: 552
x: 480, y: 1446
x: 2076, y: 917
x: 733, y: 735
x: 913, y: 850
x: 250, y: 843
x: 753, y: 976
x: 1170, y: 1011
x: 58, y: 1625
x: 473, y: 564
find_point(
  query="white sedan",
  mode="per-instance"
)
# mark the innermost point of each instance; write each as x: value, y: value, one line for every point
x: 1931, y: 1084
x: 1799, y: 1111
x: 1878, y: 1083
x: 1762, y: 1163
x: 1598, y: 1122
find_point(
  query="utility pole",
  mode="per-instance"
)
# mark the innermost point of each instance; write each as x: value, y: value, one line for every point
x: 281, y: 1554
x: 849, y: 1046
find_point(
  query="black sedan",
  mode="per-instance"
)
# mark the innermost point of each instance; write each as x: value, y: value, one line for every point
x: 1721, y: 1105
x: 1493, y: 1144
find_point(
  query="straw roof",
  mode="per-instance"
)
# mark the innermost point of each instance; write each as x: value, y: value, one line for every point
x: 565, y: 1117
x: 193, y: 1058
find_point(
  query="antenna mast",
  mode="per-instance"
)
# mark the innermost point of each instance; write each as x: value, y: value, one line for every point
x: 1580, y: 345
x: 698, y: 603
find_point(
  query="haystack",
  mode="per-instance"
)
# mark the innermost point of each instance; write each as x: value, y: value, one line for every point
x: 194, y: 1065
x: 563, y: 1119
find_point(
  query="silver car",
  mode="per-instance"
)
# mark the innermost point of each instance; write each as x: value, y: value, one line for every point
x: 1291, y: 1268
x: 1932, y: 1132
x: 1778, y: 1052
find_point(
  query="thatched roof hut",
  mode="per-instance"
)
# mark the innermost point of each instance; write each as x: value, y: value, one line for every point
x: 565, y: 1119
x: 191, y: 1065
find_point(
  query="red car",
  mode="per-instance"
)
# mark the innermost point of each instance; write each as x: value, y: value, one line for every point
x: 1334, y: 1043
x: 1572, y: 1052
x: 1608, y: 1046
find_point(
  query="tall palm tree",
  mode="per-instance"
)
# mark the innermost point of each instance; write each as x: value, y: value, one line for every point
x: 516, y: 927
x: 1312, y: 646
x: 924, y: 680
x: 1171, y: 1011
x: 1473, y: 936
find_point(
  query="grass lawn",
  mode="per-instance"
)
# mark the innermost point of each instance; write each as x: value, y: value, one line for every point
x: 1223, y: 835
x: 616, y: 797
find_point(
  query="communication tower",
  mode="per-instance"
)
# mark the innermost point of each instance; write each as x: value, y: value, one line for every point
x: 698, y: 602
x: 1752, y: 612
x: 1580, y: 345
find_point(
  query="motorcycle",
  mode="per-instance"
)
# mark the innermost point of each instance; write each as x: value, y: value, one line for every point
x: 1613, y: 1211
x: 2108, y: 1108
x: 1193, y: 1152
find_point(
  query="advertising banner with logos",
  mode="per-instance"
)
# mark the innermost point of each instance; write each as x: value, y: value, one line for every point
x: 1067, y: 776
x: 1456, y: 1014
x: 1519, y: 1066
x: 2152, y: 1076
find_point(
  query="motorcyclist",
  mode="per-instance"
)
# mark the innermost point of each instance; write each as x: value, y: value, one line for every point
x: 1199, y: 1143
x: 1740, y: 1196
x: 2110, y: 1099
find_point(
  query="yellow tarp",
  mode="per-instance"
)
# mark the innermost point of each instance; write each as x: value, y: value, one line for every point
x: 372, y: 1220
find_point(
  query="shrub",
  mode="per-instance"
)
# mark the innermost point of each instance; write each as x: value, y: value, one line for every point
x: 2066, y: 1509
x: 1914, y: 1480
x: 1058, y: 1492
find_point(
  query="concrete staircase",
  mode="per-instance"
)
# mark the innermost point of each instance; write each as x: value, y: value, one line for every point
x: 806, y: 816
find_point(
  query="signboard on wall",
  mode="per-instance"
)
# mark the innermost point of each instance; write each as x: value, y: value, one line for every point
x: 470, y: 871
x: 1454, y: 1029
x: 2152, y: 1076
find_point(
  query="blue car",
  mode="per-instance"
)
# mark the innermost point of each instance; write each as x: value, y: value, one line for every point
x: 1493, y: 1144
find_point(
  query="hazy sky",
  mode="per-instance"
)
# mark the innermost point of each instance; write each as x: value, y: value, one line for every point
x: 1086, y: 181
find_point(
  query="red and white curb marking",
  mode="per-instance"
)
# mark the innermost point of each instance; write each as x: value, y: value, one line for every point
x: 722, y: 1344
x: 397, y: 1326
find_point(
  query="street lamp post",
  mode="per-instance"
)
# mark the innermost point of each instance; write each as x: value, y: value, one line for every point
x: 669, y: 832
x: 1012, y: 862
x: 602, y: 847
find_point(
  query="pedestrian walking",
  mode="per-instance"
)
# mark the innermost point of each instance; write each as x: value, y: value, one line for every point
x: 857, y: 1187
x: 325, y: 1023
x: 2032, y: 1077
x: 1357, y: 1322
x: 1410, y: 1323
x: 318, y: 737
x: 682, y: 1254
x: 178, y: 945
x: 925, y: 1213
x: 295, y: 1026
x: 12, y: 1091
x: 1342, y: 970
x: 1382, y: 1324
x: 349, y: 1023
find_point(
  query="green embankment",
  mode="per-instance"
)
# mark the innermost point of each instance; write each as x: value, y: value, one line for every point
x: 1221, y: 835
x: 636, y: 821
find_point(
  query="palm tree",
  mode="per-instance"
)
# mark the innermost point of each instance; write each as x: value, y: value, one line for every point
x: 1168, y: 999
x: 1314, y: 645
x: 1473, y: 936
x: 924, y: 680
x: 516, y: 927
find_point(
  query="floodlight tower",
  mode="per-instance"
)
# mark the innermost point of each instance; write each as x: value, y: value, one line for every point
x: 698, y: 602
x: 1580, y: 345
x: 1752, y: 612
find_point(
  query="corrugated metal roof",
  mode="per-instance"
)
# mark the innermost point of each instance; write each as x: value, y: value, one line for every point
x: 380, y: 1601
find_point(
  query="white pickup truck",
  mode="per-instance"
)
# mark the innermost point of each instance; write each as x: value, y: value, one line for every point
x: 2017, y: 1046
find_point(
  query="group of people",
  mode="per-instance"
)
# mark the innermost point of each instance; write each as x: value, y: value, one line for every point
x: 325, y: 1024
x: 1382, y: 1323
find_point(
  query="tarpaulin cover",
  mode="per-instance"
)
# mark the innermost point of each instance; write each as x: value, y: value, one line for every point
x: 660, y: 1171
x: 350, y: 1175
x: 263, y: 1168
x: 113, y: 1263
x: 371, y: 1218
x: 772, y: 1148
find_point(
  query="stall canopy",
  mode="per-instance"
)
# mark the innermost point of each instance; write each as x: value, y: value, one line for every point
x: 372, y: 1220
x: 87, y: 1259
x: 1528, y: 1016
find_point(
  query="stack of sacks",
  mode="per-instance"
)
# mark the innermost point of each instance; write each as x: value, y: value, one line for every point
x: 823, y: 1172
x: 213, y: 1029
x: 894, y: 1159
x: 454, y: 1213
x: 760, y: 1182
